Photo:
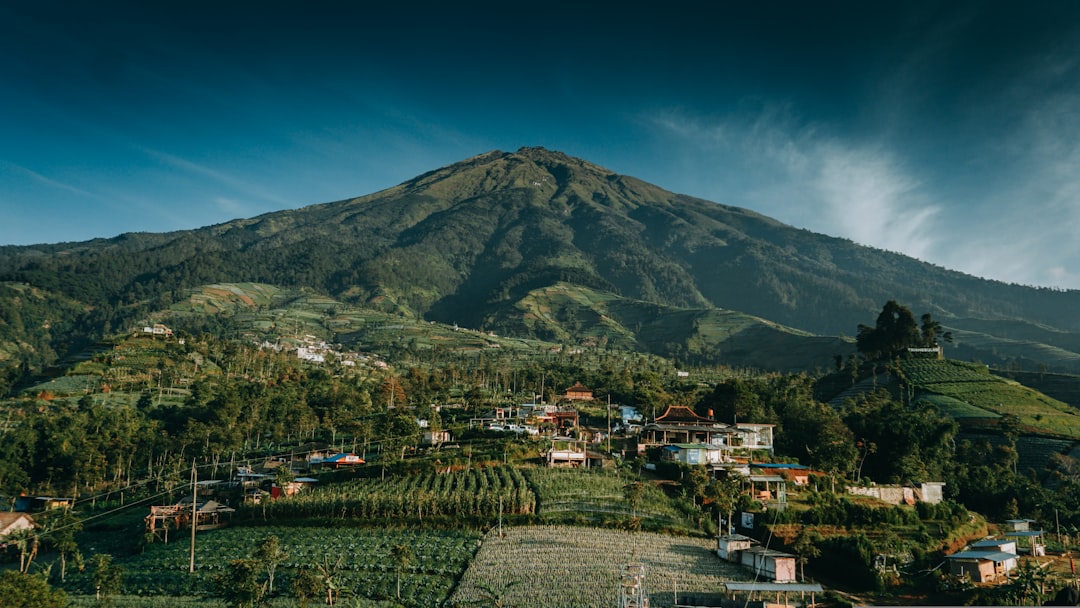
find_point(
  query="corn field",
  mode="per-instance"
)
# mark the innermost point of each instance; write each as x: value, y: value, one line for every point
x: 474, y: 493
x: 558, y: 566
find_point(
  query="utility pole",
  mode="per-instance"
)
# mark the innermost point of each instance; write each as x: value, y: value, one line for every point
x: 609, y: 424
x: 194, y: 513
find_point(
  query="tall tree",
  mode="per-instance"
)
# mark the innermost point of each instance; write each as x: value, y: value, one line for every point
x: 269, y: 554
x: 403, y: 556
x: 108, y: 577
x: 894, y: 331
x: 932, y: 330
x: 239, y: 584
x: 724, y: 494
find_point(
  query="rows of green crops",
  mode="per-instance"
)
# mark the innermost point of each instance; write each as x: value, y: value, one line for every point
x: 924, y: 372
x: 366, y: 567
x: 561, y: 489
x: 480, y: 492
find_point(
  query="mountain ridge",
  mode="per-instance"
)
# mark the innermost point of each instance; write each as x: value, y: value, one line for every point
x: 464, y: 243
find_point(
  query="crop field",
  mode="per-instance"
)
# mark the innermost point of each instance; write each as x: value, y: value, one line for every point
x: 973, y: 384
x: 956, y: 408
x: 366, y: 569
x: 596, y: 491
x: 67, y: 385
x: 541, y: 566
x: 475, y: 493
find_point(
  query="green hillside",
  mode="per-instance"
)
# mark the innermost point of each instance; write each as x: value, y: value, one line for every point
x: 470, y: 244
x: 964, y: 389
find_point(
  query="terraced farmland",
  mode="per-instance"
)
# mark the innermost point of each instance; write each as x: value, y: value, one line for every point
x: 548, y: 566
x: 970, y: 387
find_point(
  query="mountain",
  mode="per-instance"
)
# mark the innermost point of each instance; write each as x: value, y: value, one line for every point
x: 488, y: 241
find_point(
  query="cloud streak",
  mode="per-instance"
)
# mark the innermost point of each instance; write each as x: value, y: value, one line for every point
x: 812, y: 180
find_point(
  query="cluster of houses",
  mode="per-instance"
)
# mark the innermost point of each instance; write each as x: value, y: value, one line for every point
x: 991, y: 559
x: 312, y: 350
x: 208, y: 508
x: 157, y: 329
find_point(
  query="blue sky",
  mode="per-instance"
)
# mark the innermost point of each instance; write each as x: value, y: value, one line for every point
x: 949, y: 131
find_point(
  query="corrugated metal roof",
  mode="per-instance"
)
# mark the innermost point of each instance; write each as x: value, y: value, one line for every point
x: 994, y: 556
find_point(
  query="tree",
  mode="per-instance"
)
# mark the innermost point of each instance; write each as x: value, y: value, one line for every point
x: 403, y: 556
x: 328, y: 574
x: 814, y: 432
x: 24, y: 540
x: 931, y: 330
x: 894, y: 331
x: 283, y: 476
x: 633, y: 492
x: 724, y: 493
x: 108, y: 577
x: 695, y: 480
x: 239, y: 584
x: 306, y: 585
x: 28, y: 591
x: 269, y: 554
x: 805, y: 546
x: 1027, y: 584
x: 61, y: 525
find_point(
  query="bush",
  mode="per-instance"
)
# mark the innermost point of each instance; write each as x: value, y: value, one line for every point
x: 852, y: 555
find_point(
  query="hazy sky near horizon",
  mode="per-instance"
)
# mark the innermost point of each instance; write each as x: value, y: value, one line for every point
x: 949, y: 131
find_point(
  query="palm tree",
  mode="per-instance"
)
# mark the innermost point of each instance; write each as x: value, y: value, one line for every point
x: 26, y: 541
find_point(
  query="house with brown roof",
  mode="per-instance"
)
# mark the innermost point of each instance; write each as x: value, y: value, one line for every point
x: 13, y: 522
x: 680, y: 425
x: 578, y: 392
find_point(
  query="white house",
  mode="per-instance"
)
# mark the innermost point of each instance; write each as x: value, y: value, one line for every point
x: 694, y: 453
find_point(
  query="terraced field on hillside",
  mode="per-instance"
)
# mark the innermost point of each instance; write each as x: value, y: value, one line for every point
x: 964, y: 388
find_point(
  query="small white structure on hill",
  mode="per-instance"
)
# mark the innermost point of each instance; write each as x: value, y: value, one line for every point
x: 776, y: 566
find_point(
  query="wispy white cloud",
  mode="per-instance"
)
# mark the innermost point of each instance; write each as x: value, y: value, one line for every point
x: 48, y: 181
x: 222, y: 178
x: 866, y: 196
x: 802, y: 176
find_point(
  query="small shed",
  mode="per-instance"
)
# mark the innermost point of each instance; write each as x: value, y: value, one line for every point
x: 567, y: 453
x: 799, y: 474
x: 773, y: 565
x: 729, y: 545
x: 770, y: 489
x: 776, y: 566
x: 1019, y: 525
x: 1028, y: 541
x: 981, y: 566
x: 578, y: 392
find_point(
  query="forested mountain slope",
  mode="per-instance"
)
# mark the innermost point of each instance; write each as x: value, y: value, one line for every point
x: 468, y: 243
